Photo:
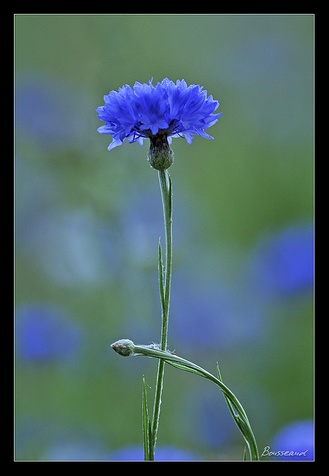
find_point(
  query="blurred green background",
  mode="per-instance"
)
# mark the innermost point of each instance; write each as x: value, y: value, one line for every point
x: 88, y: 223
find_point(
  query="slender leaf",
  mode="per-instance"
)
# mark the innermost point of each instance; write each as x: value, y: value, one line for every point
x: 184, y: 367
x: 170, y: 195
x: 146, y: 423
x: 161, y: 276
x: 244, y: 457
x: 235, y: 407
x: 228, y: 401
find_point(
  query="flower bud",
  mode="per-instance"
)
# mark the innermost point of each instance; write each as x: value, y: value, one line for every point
x: 124, y: 347
x: 160, y: 155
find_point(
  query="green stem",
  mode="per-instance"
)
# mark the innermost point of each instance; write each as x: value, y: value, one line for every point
x: 166, y: 195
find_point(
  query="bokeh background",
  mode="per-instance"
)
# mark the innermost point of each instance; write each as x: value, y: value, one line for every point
x: 88, y: 221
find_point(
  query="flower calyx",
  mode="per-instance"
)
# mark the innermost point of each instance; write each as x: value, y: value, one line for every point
x: 160, y: 155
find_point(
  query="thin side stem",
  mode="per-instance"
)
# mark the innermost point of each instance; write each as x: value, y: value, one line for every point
x: 235, y: 406
x: 166, y: 194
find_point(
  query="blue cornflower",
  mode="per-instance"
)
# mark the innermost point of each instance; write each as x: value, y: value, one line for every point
x: 45, y: 334
x: 293, y: 442
x: 165, y: 453
x: 157, y: 113
x: 283, y: 262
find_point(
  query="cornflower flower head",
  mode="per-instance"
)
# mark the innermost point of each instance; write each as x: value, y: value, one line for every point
x: 158, y: 113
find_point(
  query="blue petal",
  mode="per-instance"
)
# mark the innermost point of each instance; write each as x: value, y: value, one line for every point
x: 142, y: 111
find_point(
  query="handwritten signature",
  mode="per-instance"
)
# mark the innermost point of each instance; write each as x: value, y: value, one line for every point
x: 267, y: 452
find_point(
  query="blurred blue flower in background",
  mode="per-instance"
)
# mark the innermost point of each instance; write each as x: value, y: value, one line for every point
x: 212, y: 315
x: 142, y: 224
x: 162, y: 453
x: 57, y: 439
x: 282, y: 263
x: 296, y: 437
x: 49, y: 111
x: 75, y: 449
x: 147, y: 111
x: 44, y: 334
x: 205, y: 419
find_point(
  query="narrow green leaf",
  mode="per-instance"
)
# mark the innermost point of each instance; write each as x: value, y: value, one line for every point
x: 146, y: 423
x: 244, y: 457
x: 228, y: 401
x: 242, y: 424
x: 184, y: 367
x: 238, y: 413
x: 161, y: 276
x: 219, y: 375
x: 170, y: 195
